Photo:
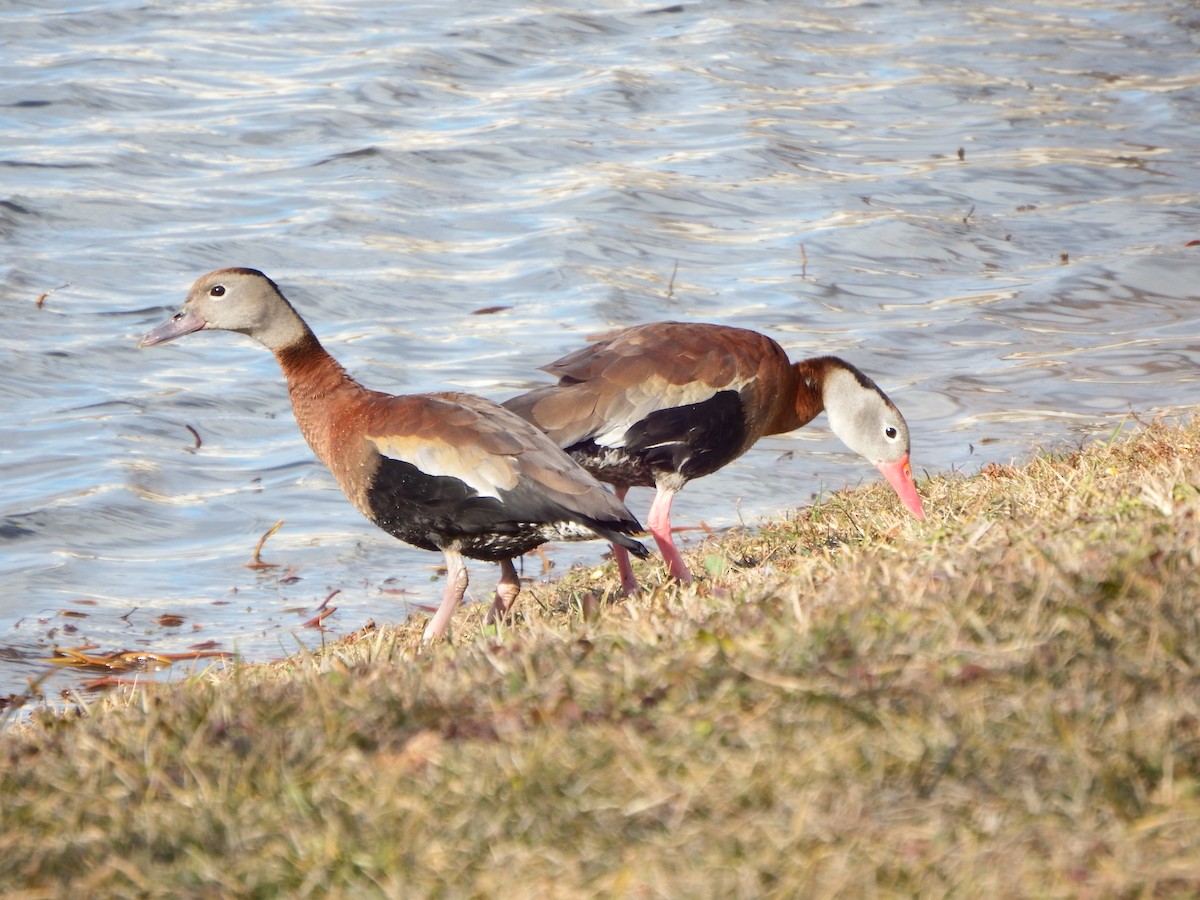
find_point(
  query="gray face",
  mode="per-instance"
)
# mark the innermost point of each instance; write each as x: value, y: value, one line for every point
x: 241, y: 300
x: 864, y: 418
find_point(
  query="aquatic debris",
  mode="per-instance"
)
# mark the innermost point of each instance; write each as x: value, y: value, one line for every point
x: 323, y: 611
x: 124, y: 660
x: 255, y: 561
x: 315, y: 621
x: 42, y: 296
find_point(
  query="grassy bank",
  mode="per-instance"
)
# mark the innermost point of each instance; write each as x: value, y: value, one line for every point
x: 1002, y: 701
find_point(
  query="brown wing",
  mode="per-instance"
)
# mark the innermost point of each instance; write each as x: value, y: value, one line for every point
x: 487, y: 447
x: 608, y: 386
x: 442, y: 435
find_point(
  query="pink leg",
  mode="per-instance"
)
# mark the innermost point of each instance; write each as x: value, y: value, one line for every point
x: 659, y: 523
x: 456, y: 586
x: 506, y: 592
x: 629, y: 582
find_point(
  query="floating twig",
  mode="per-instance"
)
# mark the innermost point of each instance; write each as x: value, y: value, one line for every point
x: 671, y: 283
x: 195, y: 436
x: 255, y: 561
x: 315, y: 621
x: 42, y: 296
x: 289, y: 576
x: 122, y: 660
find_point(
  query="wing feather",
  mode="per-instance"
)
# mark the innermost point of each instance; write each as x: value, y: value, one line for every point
x: 608, y: 387
x: 450, y: 435
x: 492, y: 450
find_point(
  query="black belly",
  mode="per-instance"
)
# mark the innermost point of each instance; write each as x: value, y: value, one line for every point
x: 693, y: 441
x: 437, y: 511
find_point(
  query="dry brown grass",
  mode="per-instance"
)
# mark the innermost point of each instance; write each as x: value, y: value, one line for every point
x: 1003, y: 701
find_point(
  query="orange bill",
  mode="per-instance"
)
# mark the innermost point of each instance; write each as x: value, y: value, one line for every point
x: 900, y: 477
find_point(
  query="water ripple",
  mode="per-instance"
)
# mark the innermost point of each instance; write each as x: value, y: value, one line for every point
x: 984, y: 207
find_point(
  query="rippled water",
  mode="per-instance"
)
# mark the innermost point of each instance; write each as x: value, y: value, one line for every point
x: 398, y: 166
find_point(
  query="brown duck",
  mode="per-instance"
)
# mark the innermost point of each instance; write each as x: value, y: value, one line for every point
x: 660, y: 404
x: 442, y: 471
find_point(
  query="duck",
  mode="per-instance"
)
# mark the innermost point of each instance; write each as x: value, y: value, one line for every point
x: 446, y: 471
x: 660, y: 404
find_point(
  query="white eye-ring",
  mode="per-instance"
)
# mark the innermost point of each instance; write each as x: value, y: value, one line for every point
x: 890, y: 432
x: 217, y: 290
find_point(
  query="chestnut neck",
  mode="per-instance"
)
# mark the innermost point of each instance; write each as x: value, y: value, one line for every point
x: 798, y: 397
x: 321, y: 391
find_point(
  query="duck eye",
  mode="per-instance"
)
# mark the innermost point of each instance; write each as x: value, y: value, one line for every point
x: 890, y: 432
x: 217, y: 290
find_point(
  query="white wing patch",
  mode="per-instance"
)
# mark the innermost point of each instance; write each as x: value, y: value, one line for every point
x: 651, y: 395
x: 487, y: 473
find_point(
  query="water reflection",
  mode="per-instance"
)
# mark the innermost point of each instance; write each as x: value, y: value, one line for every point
x: 795, y: 170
